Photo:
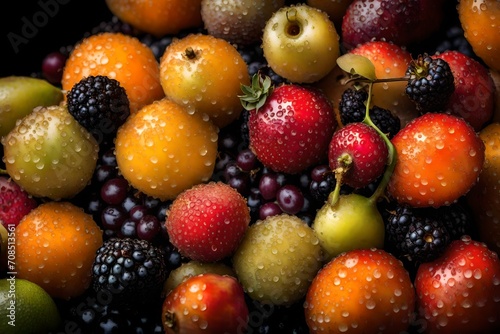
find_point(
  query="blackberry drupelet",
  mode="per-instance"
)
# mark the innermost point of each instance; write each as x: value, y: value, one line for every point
x: 430, y: 83
x: 385, y: 120
x: 100, y: 104
x: 421, y: 234
x: 129, y: 269
x: 352, y: 106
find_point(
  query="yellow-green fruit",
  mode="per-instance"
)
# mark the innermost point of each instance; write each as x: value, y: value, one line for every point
x: 277, y: 259
x: 49, y: 154
x: 194, y: 268
x: 26, y: 308
x: 19, y: 95
x: 484, y: 197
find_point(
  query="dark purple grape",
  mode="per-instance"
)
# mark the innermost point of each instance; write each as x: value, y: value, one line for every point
x: 290, y: 199
x: 114, y: 191
x: 162, y: 210
x: 241, y: 183
x: 112, y: 217
x: 138, y: 212
x: 231, y: 170
x: 109, y: 158
x: 94, y: 206
x: 52, y: 67
x: 269, y: 209
x: 222, y: 160
x: 318, y: 172
x: 268, y: 186
x: 103, y: 173
x: 246, y: 160
x: 131, y: 201
x: 129, y: 228
x: 148, y: 227
x: 151, y: 202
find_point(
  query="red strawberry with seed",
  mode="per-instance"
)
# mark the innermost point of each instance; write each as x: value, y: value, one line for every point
x: 15, y: 203
x: 460, y: 291
x: 206, y: 304
x: 207, y: 222
x: 474, y: 95
x: 289, y: 126
x: 361, y: 151
x: 439, y: 158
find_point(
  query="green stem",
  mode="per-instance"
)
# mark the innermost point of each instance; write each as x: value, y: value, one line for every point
x: 391, y: 159
x: 3, y: 171
x: 333, y: 197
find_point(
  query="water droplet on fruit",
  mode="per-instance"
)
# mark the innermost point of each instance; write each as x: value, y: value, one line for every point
x: 370, y: 304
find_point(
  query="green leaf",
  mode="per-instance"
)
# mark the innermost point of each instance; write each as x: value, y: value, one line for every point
x: 255, y: 95
x: 357, y: 65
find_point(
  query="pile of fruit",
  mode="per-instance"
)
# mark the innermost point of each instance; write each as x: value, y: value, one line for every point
x: 265, y: 166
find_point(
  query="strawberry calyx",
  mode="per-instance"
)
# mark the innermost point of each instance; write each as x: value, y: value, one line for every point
x: 255, y: 95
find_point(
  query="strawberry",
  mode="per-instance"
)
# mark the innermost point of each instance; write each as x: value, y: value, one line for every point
x: 207, y: 303
x: 439, y: 158
x: 360, y: 291
x: 207, y: 222
x: 459, y: 292
x: 289, y: 126
x: 15, y: 202
x: 474, y: 95
x: 360, y: 151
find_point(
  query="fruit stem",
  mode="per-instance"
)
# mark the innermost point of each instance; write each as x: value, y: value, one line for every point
x: 333, y: 197
x: 391, y: 158
x: 3, y: 171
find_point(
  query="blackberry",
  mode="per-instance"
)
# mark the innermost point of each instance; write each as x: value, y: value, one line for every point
x: 352, y: 107
x: 129, y: 269
x: 421, y: 234
x: 100, y: 104
x: 385, y: 120
x: 430, y: 83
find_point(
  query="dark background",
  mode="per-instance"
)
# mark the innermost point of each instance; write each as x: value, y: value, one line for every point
x: 60, y: 23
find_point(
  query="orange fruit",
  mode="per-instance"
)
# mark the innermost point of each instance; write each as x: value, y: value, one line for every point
x: 481, y: 23
x: 158, y: 17
x: 360, y: 291
x: 205, y: 73
x: 55, y: 248
x: 163, y: 149
x: 120, y: 57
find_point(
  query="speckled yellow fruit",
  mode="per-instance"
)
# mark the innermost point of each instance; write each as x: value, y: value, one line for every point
x: 164, y: 149
x: 484, y: 197
x: 205, y: 73
x: 480, y: 20
x: 49, y: 154
x: 277, y: 259
x: 55, y: 248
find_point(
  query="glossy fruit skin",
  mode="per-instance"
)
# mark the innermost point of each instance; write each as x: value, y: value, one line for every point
x: 354, y: 222
x: 360, y: 291
x: 166, y: 156
x: 474, y: 94
x: 484, y: 196
x: 238, y: 22
x: 204, y: 73
x: 402, y: 23
x: 293, y: 129
x: 479, y: 19
x: 206, y: 304
x: 300, y: 43
x: 207, y: 222
x: 460, y: 291
x: 335, y: 9
x: 158, y: 17
x: 49, y: 154
x: 365, y: 148
x: 439, y: 158
x: 121, y: 57
x: 15, y: 203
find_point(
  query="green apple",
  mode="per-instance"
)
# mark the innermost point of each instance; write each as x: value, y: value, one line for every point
x: 300, y: 43
x: 20, y: 94
x: 352, y: 222
x: 49, y: 154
